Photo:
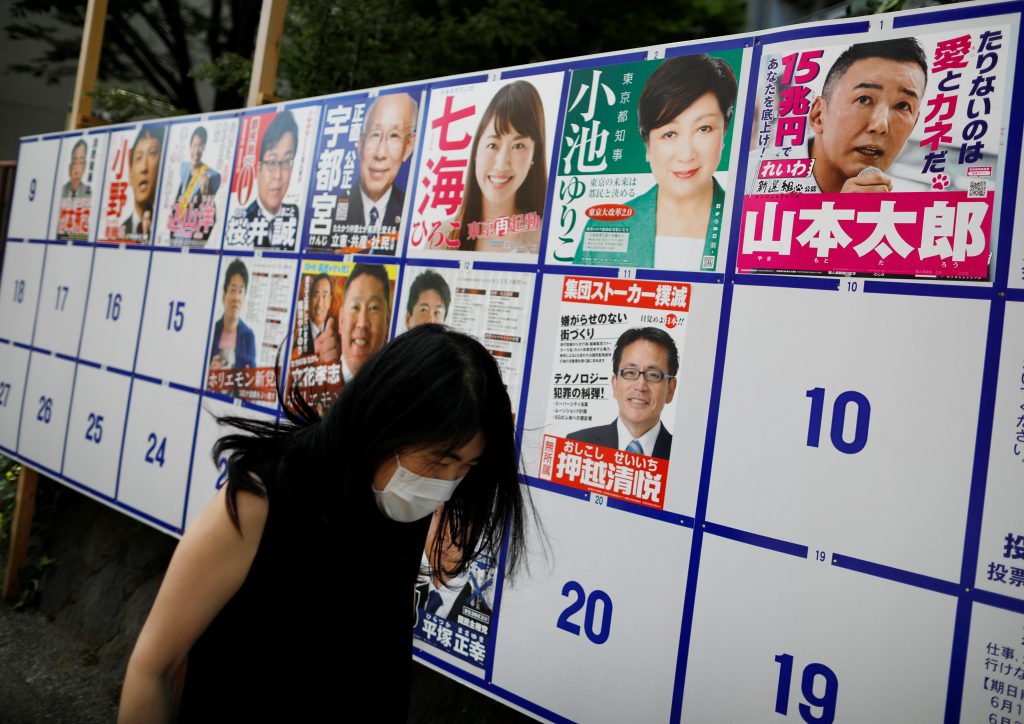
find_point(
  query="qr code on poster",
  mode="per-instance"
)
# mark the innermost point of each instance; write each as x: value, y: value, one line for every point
x: 977, y: 189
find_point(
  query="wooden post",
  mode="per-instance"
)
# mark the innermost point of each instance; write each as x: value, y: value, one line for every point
x: 24, y: 508
x: 88, y: 65
x: 268, y: 50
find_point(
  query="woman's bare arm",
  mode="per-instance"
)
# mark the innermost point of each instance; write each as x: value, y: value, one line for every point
x: 207, y: 569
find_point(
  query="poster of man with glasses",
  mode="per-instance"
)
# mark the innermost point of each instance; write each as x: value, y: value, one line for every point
x: 272, y: 166
x: 611, y: 406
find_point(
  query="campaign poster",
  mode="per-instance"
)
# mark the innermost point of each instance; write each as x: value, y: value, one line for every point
x: 342, y: 318
x: 77, y: 198
x: 132, y: 179
x: 273, y: 161
x: 611, y: 402
x: 483, y: 178
x: 643, y: 163
x: 251, y: 322
x: 362, y: 173
x: 454, y: 614
x: 494, y: 307
x: 879, y: 157
x: 194, y: 190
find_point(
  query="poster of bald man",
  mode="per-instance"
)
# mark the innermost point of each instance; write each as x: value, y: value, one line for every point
x: 361, y: 173
x: 879, y: 156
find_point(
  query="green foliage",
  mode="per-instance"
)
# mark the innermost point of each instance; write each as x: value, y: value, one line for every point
x: 330, y: 47
x: 150, y: 48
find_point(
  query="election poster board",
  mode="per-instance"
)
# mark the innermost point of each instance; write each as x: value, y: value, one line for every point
x: 752, y: 464
x: 194, y: 190
x: 644, y: 159
x: 273, y: 163
x: 362, y: 172
x: 76, y: 197
x: 880, y: 157
x: 483, y: 174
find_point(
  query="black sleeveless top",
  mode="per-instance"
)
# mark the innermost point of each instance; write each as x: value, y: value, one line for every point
x: 321, y: 627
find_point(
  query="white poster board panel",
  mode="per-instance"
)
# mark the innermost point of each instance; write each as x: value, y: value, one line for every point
x: 804, y: 636
x: 157, y: 451
x: 685, y: 416
x: 44, y: 414
x: 33, y: 188
x: 117, y: 289
x: 208, y: 477
x: 847, y: 422
x: 595, y: 610
x: 19, y: 292
x: 177, y: 317
x: 13, y: 366
x: 93, y: 447
x: 1001, y: 547
x: 75, y: 210
x: 62, y: 298
x: 994, y: 675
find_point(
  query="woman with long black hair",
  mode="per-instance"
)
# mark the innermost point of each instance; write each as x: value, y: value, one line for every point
x: 292, y: 594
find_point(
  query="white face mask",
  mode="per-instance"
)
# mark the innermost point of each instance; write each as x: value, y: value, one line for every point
x: 408, y: 496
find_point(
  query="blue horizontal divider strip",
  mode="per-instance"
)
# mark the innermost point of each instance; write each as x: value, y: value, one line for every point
x: 4, y: 340
x: 798, y: 282
x: 155, y: 521
x: 818, y: 31
x: 119, y: 371
x: 203, y: 251
x: 997, y: 600
x: 653, y: 513
x: 578, y: 271
x: 680, y: 276
x: 1015, y: 295
x: 435, y: 263
x: 23, y: 346
x: 555, y: 488
x: 927, y: 290
x: 219, y: 396
x: 761, y: 541
x: 183, y: 388
x: 60, y: 355
x: 147, y: 378
x: 87, y: 363
x: 38, y: 241
x: 275, y: 254
x: 895, y: 574
x: 957, y: 14
x: 504, y: 266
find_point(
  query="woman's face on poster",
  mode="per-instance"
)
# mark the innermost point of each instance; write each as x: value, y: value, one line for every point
x: 502, y: 164
x: 686, y: 151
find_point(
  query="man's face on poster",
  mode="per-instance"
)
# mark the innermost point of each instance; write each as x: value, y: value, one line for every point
x: 275, y: 173
x: 320, y: 302
x: 387, y: 142
x: 77, y: 167
x: 143, y: 171
x: 869, y: 116
x: 428, y: 309
x: 640, y: 401
x: 362, y: 320
x: 195, y: 151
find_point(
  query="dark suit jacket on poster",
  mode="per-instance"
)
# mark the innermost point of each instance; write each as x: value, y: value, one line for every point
x: 392, y: 213
x: 423, y: 591
x: 253, y: 210
x: 608, y: 435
